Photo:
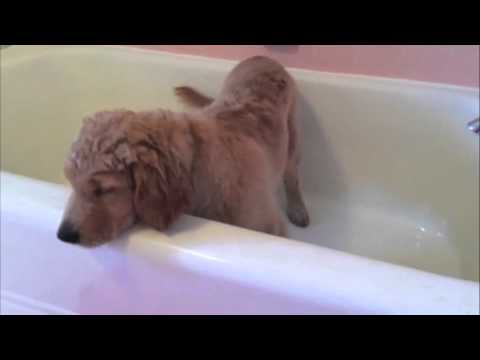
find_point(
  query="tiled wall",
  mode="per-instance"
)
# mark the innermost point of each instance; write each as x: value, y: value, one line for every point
x: 450, y: 64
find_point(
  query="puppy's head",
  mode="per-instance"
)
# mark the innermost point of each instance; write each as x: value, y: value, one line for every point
x: 121, y: 171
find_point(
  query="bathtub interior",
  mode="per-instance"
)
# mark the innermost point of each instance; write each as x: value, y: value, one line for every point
x: 390, y: 171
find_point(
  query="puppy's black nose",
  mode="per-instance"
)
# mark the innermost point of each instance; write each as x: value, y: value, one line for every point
x: 67, y: 233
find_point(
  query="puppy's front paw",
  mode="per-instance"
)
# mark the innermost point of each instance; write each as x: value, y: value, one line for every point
x: 298, y: 215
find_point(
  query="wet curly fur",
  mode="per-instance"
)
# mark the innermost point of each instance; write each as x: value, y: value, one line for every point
x: 224, y: 161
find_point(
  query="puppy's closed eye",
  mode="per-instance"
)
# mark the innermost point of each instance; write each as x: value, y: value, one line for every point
x: 100, y: 192
x: 105, y: 184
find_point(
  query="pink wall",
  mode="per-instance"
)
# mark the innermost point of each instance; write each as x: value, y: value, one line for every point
x: 451, y: 64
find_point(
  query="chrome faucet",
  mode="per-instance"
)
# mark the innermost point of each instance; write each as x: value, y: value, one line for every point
x: 474, y: 125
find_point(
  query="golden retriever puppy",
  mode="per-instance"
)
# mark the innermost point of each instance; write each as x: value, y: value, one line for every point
x: 222, y: 161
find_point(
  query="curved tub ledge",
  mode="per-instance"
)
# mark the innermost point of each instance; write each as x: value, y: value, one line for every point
x: 199, y: 266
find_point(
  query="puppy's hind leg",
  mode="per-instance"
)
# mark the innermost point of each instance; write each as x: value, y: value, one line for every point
x: 277, y: 227
x: 192, y: 97
x: 296, y: 209
x: 259, y: 211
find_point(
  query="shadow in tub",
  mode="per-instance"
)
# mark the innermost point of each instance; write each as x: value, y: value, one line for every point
x: 325, y: 188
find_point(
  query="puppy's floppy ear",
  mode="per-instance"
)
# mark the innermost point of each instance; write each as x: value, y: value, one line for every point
x: 161, y: 187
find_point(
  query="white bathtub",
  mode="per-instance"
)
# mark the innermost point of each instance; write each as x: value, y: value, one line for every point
x: 391, y: 177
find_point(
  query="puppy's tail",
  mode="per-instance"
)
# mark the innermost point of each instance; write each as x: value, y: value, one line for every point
x: 192, y: 97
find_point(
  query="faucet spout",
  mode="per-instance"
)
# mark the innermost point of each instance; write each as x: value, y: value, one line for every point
x: 474, y: 125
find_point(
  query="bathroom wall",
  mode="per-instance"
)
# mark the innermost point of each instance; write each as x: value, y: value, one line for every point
x: 450, y: 64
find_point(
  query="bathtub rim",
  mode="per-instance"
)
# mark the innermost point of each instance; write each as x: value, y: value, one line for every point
x: 351, y: 278
x: 15, y: 53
